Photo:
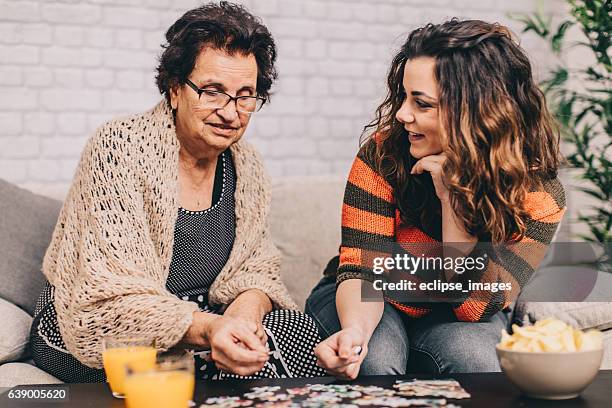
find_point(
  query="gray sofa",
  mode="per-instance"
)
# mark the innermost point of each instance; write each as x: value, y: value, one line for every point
x: 305, y: 219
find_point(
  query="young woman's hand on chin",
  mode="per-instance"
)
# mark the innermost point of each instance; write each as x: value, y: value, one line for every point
x: 433, y: 164
x: 342, y: 353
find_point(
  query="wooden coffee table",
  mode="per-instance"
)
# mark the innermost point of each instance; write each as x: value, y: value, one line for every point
x: 490, y: 390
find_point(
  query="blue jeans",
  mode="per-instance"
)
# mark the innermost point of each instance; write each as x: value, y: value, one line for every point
x: 434, y: 344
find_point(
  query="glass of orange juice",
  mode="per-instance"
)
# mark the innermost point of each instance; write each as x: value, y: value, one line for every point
x: 170, y: 384
x: 119, y: 351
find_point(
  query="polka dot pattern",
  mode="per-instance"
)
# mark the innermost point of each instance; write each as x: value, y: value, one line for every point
x: 292, y: 334
x: 292, y: 337
x: 203, y: 240
x: 48, y: 348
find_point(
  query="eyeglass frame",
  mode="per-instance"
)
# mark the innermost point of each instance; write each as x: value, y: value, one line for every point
x: 200, y: 91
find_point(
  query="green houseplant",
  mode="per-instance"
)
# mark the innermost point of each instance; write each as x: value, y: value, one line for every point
x: 581, y: 99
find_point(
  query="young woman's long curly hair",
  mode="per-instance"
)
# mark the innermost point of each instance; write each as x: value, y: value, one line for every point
x: 500, y: 139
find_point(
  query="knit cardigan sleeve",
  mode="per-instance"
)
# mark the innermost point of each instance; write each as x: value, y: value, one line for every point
x: 261, y: 270
x: 103, y: 261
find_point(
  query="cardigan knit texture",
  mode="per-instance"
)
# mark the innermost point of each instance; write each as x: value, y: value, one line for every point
x: 110, y: 252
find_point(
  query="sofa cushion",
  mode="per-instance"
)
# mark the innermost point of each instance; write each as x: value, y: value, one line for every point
x: 14, y: 332
x: 305, y: 225
x: 26, y: 226
x: 12, y: 374
x: 606, y: 363
x: 580, y: 295
x: 581, y: 315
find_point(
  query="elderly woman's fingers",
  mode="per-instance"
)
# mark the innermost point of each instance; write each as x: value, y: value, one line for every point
x: 248, y: 333
x: 234, y: 346
x: 238, y: 369
x: 249, y: 339
x: 222, y: 367
x: 237, y: 353
x: 261, y: 333
x: 236, y: 359
x: 264, y: 340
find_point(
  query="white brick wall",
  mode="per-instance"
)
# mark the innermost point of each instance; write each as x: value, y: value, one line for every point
x: 68, y: 65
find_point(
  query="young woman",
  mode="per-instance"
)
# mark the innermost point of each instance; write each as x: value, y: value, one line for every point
x: 463, y: 150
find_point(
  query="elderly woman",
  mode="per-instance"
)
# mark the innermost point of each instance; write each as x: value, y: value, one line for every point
x: 163, y: 235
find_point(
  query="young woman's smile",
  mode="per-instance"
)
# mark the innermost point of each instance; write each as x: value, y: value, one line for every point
x: 419, y: 111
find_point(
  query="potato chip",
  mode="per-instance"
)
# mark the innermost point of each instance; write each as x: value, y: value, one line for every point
x: 550, y: 335
x: 592, y: 340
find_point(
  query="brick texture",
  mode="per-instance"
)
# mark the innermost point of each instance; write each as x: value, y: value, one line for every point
x: 67, y: 66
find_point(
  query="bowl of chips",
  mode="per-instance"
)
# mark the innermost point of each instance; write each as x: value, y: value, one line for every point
x: 550, y: 359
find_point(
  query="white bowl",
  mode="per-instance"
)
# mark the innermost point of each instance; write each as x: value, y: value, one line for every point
x: 553, y: 376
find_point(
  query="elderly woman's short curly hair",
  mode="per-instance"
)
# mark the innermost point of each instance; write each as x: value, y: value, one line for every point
x: 225, y: 26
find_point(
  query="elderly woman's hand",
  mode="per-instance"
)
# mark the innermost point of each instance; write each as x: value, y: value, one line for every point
x: 251, y: 305
x: 234, y: 345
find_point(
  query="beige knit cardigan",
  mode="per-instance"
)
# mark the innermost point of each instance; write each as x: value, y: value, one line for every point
x: 110, y: 253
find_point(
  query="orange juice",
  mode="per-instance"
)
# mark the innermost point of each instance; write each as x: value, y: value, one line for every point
x: 140, y: 358
x: 167, y: 389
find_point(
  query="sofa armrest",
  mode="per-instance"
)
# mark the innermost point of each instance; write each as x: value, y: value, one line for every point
x: 14, y: 332
x: 13, y: 374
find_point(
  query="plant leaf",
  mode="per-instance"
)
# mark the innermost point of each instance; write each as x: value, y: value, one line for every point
x: 594, y: 193
x: 557, y: 39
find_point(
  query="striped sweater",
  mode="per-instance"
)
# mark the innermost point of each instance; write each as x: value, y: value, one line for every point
x: 371, y: 222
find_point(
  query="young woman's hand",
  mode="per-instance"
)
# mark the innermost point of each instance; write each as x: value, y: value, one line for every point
x: 342, y: 353
x: 433, y: 164
x: 235, y: 346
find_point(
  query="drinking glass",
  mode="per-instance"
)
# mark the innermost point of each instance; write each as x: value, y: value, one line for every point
x: 169, y: 384
x: 118, y: 351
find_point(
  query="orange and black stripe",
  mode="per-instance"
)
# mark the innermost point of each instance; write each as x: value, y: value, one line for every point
x: 370, y: 226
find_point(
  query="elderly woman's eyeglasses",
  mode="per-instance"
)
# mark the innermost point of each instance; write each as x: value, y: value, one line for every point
x: 213, y: 99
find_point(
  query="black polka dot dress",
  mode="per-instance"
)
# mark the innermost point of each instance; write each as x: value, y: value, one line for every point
x: 203, y: 241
